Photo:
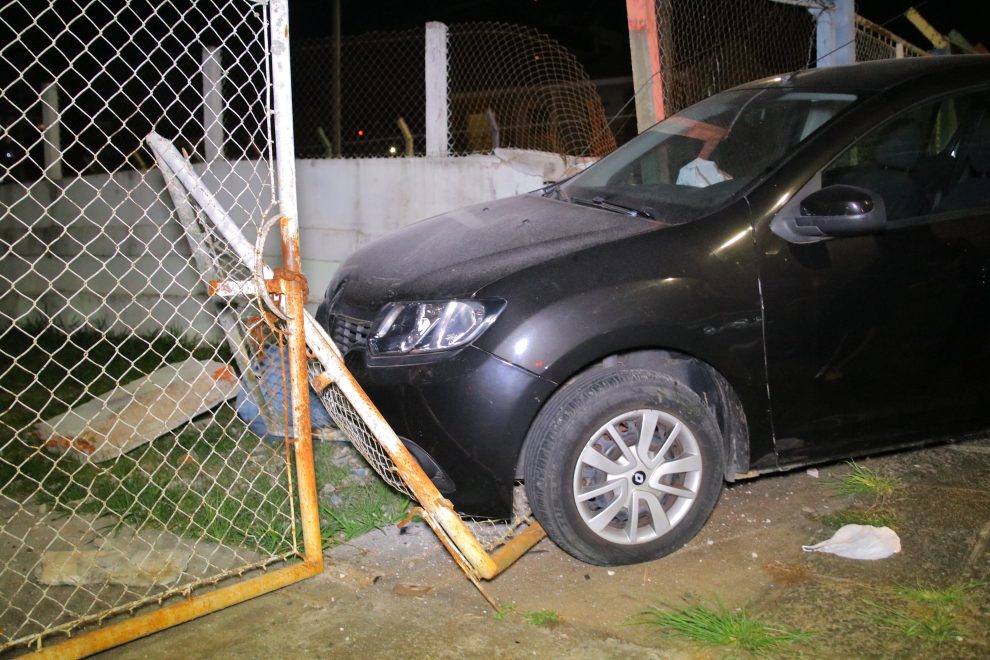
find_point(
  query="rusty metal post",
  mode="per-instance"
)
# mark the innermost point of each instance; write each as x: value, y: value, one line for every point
x: 644, y: 46
x: 293, y: 282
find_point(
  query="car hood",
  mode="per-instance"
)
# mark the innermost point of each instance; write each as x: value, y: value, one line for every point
x: 457, y: 253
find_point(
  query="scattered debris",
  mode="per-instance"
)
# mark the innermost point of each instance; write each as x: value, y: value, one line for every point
x: 979, y: 547
x: 136, y: 413
x: 860, y: 542
x: 812, y: 472
x: 787, y: 574
x: 407, y: 589
x: 81, y: 567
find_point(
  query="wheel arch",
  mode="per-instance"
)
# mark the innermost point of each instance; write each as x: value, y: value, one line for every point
x: 704, y: 379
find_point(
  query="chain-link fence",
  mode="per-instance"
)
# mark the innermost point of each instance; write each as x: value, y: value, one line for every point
x: 512, y: 86
x: 507, y: 86
x: 874, y: 42
x: 707, y: 46
x: 381, y: 81
x: 710, y: 45
x: 143, y: 450
x: 482, y: 548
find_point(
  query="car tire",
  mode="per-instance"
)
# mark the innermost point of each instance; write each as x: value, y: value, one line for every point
x: 586, y: 466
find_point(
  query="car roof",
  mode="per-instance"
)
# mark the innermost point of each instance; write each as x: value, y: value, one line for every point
x: 882, y: 74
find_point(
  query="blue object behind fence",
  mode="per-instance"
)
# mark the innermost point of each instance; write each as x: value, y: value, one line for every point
x: 268, y: 368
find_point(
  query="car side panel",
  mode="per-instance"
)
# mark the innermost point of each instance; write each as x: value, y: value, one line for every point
x: 701, y: 299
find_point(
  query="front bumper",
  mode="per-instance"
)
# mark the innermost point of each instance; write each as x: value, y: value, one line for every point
x: 470, y: 411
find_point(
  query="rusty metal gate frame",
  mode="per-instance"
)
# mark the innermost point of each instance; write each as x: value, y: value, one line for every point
x: 290, y: 286
x: 401, y: 469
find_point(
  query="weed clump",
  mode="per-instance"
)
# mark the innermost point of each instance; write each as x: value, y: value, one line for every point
x: 863, y: 482
x: 543, y: 618
x: 717, y: 626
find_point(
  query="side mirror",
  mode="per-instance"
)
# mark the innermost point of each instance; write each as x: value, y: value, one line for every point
x: 837, y: 210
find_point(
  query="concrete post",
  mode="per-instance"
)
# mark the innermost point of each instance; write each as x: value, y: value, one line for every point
x: 436, y: 90
x: 50, y: 118
x: 337, y: 144
x: 212, y: 104
x: 835, y: 33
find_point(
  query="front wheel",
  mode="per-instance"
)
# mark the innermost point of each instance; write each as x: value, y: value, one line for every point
x: 623, y: 466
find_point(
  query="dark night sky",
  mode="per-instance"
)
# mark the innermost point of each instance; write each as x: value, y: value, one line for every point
x: 944, y: 15
x: 594, y: 30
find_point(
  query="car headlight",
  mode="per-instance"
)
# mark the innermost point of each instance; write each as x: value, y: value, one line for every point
x: 423, y: 327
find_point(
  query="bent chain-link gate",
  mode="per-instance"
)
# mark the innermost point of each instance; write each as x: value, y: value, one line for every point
x: 133, y: 496
x: 481, y: 549
x: 140, y: 332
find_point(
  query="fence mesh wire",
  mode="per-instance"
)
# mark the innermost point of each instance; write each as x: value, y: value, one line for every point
x: 491, y: 534
x: 707, y: 46
x: 127, y: 476
x: 874, y: 42
x: 512, y: 86
x: 508, y: 86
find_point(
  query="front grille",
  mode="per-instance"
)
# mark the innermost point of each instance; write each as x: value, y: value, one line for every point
x: 349, y: 333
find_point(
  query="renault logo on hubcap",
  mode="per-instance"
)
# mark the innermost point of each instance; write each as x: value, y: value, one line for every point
x: 639, y: 478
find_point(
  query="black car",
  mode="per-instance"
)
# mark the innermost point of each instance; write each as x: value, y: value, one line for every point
x: 791, y: 271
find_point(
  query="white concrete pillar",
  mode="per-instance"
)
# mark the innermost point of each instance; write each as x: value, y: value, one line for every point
x: 436, y: 90
x: 835, y: 33
x: 50, y: 118
x: 213, y: 137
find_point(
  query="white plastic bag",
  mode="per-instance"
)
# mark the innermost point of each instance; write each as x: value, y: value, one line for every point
x: 860, y: 542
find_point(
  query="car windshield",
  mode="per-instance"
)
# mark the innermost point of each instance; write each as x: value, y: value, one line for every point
x: 700, y: 159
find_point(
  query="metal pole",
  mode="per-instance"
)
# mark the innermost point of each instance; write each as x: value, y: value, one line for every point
x: 293, y: 281
x: 336, y: 79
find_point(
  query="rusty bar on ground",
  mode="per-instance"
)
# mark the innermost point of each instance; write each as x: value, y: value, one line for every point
x: 121, y: 632
x: 426, y: 493
x: 508, y: 554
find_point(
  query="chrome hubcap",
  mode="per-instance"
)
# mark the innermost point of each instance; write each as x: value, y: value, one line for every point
x: 637, y: 477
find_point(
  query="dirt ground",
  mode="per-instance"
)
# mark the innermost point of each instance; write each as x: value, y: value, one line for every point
x: 749, y: 556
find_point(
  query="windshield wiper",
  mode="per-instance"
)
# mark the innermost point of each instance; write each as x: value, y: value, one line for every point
x: 603, y: 203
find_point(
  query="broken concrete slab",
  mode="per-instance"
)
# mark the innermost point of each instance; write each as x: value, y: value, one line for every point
x: 136, y: 413
x: 81, y: 567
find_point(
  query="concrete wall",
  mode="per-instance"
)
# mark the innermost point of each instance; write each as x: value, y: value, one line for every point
x: 109, y: 249
x: 343, y: 204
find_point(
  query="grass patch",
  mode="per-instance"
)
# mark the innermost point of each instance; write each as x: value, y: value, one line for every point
x: 505, y: 610
x: 543, y: 618
x: 930, y: 626
x: 718, y: 627
x: 362, y: 509
x: 357, y: 505
x: 919, y: 613
x: 953, y: 595
x: 863, y: 482
x: 878, y: 517
x: 208, y: 479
